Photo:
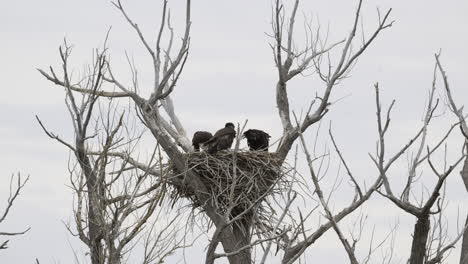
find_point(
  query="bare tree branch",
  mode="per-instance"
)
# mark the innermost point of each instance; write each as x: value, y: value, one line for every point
x: 16, y: 185
x: 290, y: 132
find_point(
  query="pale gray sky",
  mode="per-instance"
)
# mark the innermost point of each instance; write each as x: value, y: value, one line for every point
x: 230, y: 62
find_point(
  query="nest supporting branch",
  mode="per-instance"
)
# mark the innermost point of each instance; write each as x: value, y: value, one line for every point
x: 238, y: 182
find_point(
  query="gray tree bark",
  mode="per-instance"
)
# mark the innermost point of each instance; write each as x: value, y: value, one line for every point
x: 464, y: 248
x: 93, y: 186
x: 421, y: 232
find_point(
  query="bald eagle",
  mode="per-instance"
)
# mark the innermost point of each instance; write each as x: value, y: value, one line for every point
x: 222, y: 139
x: 257, y: 139
x: 199, y: 138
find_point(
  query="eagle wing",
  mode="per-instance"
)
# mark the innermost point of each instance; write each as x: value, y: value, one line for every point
x: 227, y: 131
x: 222, y: 139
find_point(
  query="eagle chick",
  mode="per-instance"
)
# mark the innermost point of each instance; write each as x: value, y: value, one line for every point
x: 222, y: 139
x: 257, y: 139
x: 199, y: 138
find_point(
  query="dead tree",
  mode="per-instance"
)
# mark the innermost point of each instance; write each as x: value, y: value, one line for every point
x: 422, y: 250
x: 458, y: 112
x: 286, y: 56
x: 116, y: 197
x: 157, y: 113
x: 16, y: 185
x: 231, y: 218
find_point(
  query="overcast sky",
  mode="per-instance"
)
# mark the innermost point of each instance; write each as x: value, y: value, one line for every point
x: 230, y: 76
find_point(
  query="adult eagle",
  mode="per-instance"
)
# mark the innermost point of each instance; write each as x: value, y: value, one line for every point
x: 257, y: 139
x: 199, y: 138
x: 222, y: 139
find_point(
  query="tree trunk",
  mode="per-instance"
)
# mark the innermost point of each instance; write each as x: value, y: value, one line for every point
x: 94, y: 188
x: 241, y: 232
x: 232, y: 240
x: 95, y: 231
x: 421, y: 232
x: 114, y: 253
x: 96, y: 247
x: 464, y: 248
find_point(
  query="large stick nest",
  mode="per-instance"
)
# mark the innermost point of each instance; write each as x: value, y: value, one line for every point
x: 236, y: 181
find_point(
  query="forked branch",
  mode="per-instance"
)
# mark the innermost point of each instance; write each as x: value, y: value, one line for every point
x: 285, y: 73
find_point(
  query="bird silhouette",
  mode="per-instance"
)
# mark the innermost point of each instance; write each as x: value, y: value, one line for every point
x: 199, y: 138
x: 257, y: 139
x: 222, y: 139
